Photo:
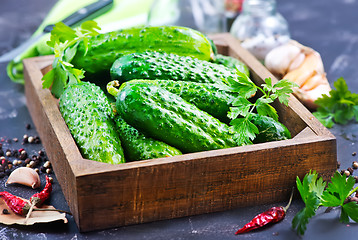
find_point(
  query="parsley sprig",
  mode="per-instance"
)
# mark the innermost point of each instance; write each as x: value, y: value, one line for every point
x: 244, y: 130
x: 314, y: 194
x: 64, y: 41
x: 340, y: 106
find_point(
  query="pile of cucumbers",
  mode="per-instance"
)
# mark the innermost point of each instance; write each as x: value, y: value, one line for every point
x: 167, y: 101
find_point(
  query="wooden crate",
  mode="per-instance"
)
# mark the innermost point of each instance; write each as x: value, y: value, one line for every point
x: 102, y: 196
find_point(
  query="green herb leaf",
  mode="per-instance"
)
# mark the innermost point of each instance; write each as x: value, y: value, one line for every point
x: 337, y: 191
x: 243, y: 107
x: 301, y: 219
x: 341, y: 106
x: 264, y: 108
x: 349, y: 210
x: 245, y: 131
x: 242, y: 85
x: 311, y: 190
x: 284, y: 88
x: 326, y: 118
x: 64, y: 40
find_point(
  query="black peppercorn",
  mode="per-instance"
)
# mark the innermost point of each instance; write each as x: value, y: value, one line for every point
x: 37, y: 140
x: 28, y: 126
x: 23, y: 156
x: 350, y: 170
x: 5, y: 211
x: 43, y: 169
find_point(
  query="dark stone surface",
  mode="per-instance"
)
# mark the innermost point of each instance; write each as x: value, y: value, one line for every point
x: 327, y: 26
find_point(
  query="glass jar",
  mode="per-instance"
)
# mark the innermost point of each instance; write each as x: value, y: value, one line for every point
x: 207, y: 16
x: 260, y: 27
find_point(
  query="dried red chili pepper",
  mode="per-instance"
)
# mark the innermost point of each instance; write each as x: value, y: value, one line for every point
x: 16, y: 204
x: 273, y: 215
x: 38, y: 198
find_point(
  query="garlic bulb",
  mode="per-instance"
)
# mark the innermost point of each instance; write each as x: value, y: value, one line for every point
x: 301, y: 65
x: 25, y: 176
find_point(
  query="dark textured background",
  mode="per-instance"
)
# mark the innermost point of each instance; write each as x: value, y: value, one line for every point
x: 327, y: 26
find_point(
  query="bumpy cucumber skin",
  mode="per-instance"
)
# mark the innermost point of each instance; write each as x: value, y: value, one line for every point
x: 232, y: 63
x: 269, y: 129
x: 88, y: 114
x: 205, y: 96
x: 105, y: 48
x: 139, y: 147
x: 155, y: 65
x: 167, y: 117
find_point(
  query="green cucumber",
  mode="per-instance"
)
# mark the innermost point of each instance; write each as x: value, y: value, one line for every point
x: 205, y: 96
x: 232, y: 63
x: 137, y: 146
x: 156, y: 65
x: 165, y: 116
x: 269, y: 129
x: 88, y: 115
x: 98, y: 53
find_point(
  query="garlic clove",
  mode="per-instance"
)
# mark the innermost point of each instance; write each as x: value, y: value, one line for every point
x: 308, y: 98
x: 25, y: 176
x: 278, y: 60
x: 314, y: 81
x: 310, y: 67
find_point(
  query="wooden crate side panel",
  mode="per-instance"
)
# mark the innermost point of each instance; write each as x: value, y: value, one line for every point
x: 41, y: 105
x: 200, y: 185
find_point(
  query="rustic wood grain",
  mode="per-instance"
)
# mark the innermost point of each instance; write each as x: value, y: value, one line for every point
x: 103, y: 195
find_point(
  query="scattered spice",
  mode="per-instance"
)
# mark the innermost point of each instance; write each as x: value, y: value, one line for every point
x: 273, y: 215
x: 355, y: 164
x: 5, y: 211
x: 354, y: 153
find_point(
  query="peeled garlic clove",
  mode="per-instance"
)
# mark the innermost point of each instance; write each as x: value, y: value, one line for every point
x: 25, y: 176
x: 314, y: 81
x: 311, y: 66
x: 308, y: 98
x: 278, y: 60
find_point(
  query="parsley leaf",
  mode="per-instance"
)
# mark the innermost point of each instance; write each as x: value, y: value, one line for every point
x: 314, y: 194
x: 242, y: 108
x: 341, y: 106
x: 337, y: 192
x: 349, y: 210
x: 245, y: 130
x: 311, y: 190
x: 64, y: 41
